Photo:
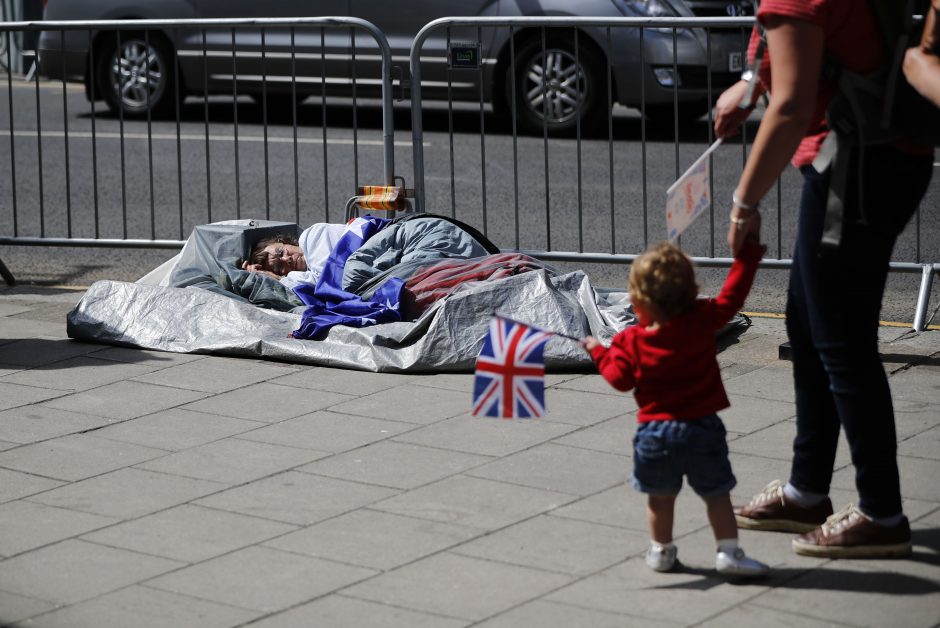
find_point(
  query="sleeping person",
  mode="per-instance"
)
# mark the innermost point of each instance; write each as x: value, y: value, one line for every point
x: 359, y: 274
x: 295, y: 261
x: 398, y: 248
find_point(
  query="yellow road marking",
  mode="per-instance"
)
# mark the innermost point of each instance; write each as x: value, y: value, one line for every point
x: 882, y: 323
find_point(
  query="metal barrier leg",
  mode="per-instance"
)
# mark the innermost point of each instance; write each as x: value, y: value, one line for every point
x: 7, y: 275
x: 351, y: 208
x: 923, y: 297
x: 31, y: 73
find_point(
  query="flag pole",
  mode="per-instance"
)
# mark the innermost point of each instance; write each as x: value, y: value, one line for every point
x: 548, y: 331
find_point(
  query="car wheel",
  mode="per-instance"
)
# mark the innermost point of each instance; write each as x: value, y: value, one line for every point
x: 663, y: 114
x: 137, y: 74
x: 556, y: 87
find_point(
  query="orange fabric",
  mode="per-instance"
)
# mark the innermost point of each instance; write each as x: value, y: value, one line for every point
x: 380, y: 197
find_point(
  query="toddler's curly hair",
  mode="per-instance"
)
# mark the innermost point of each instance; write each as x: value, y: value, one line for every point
x: 664, y: 277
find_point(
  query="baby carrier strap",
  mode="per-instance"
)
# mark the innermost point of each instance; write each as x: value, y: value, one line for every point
x: 875, y: 108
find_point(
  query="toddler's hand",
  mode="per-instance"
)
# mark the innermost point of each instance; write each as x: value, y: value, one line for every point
x: 589, y: 343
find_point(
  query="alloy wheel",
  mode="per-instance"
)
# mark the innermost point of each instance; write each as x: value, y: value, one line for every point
x: 137, y: 74
x: 554, y: 86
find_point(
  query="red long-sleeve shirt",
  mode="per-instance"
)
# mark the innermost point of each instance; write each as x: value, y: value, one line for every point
x: 851, y: 38
x: 673, y: 367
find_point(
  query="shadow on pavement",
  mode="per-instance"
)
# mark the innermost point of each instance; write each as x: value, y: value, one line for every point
x: 47, y: 354
x: 832, y: 578
x: 730, y: 334
x: 910, y: 358
x: 827, y: 579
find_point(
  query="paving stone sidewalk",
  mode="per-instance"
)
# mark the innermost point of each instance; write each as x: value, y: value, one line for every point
x: 140, y: 488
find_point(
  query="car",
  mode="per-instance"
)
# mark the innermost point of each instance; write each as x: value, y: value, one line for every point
x: 555, y: 83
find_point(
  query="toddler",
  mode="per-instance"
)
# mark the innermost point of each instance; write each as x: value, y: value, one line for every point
x: 668, y: 359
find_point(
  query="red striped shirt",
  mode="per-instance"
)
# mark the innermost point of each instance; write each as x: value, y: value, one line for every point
x: 851, y: 37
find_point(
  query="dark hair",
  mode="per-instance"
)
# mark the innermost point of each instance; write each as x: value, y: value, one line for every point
x: 258, y: 256
x: 664, y: 277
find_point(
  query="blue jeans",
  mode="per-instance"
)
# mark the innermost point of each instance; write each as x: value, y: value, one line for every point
x: 664, y: 451
x: 833, y: 306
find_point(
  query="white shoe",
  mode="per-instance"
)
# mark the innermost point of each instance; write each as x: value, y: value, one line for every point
x: 738, y: 564
x: 659, y: 558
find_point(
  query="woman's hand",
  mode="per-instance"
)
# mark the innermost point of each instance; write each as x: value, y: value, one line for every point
x: 257, y: 268
x: 589, y: 343
x: 728, y: 115
x: 740, y: 232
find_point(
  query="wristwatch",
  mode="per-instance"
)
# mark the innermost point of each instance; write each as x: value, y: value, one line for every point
x: 747, y: 75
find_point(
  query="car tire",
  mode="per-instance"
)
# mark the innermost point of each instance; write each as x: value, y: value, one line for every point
x: 572, y: 86
x: 138, y: 75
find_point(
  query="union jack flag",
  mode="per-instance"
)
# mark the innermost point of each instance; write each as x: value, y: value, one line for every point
x: 510, y: 371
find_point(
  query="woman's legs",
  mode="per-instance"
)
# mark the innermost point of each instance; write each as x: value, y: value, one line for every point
x: 832, y: 320
x: 817, y: 421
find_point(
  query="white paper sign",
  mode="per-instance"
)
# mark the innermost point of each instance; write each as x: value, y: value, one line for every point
x: 690, y: 195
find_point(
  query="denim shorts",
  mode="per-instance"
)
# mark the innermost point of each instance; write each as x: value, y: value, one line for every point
x: 664, y: 451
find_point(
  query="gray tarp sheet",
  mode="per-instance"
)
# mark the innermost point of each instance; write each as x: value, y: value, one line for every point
x: 152, y: 314
x: 447, y: 337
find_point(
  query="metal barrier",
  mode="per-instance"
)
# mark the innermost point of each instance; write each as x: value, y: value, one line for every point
x: 579, y: 194
x: 13, y: 11
x: 6, y: 14
x: 585, y: 197
x: 102, y: 179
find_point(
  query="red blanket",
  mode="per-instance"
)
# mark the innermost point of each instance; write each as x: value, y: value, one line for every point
x: 442, y: 278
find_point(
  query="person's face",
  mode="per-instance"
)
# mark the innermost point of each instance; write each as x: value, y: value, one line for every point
x: 283, y: 258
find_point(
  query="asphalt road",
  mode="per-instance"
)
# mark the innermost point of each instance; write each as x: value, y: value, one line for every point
x: 156, y: 181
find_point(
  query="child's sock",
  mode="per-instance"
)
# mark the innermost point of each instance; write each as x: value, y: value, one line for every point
x: 661, y: 547
x: 727, y: 545
x: 800, y: 497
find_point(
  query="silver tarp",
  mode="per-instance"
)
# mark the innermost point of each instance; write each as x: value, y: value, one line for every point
x: 447, y: 337
x: 153, y: 315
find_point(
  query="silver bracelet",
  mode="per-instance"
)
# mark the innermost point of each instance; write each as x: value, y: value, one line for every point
x: 739, y: 223
x: 737, y: 203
